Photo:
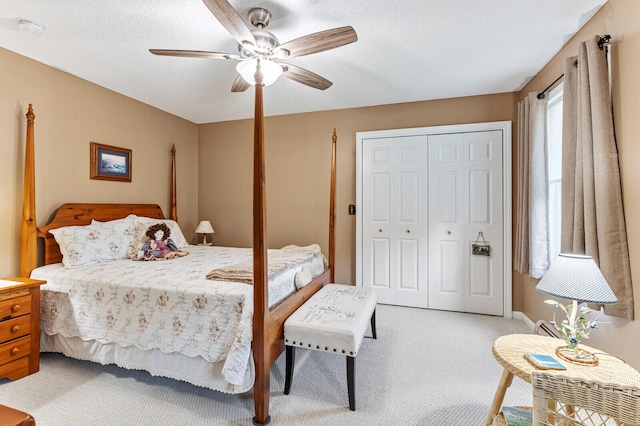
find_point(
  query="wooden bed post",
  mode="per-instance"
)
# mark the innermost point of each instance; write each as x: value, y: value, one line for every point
x: 174, y: 198
x: 332, y: 209
x: 261, y: 353
x: 28, y: 240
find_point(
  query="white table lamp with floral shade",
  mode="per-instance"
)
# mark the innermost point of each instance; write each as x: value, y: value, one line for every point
x: 576, y: 277
x: 204, y: 227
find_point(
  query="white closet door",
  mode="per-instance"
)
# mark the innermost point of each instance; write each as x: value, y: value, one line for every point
x: 465, y: 199
x: 394, y: 231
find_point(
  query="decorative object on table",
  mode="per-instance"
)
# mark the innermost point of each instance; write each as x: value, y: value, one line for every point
x: 110, y: 163
x: 480, y: 248
x: 204, y: 228
x: 578, y: 278
x: 544, y: 362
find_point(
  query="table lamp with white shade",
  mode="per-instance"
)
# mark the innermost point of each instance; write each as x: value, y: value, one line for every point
x: 204, y: 228
x: 576, y: 277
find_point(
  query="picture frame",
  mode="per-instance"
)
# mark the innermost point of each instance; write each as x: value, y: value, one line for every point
x: 110, y: 163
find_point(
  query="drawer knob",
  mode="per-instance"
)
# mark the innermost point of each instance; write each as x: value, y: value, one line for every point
x: 16, y: 307
x: 15, y: 350
x: 15, y: 328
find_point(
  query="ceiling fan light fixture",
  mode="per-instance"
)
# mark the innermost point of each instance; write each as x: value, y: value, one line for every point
x: 270, y: 71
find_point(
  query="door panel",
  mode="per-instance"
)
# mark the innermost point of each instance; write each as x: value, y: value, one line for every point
x: 381, y: 192
x: 484, y: 169
x: 447, y: 272
x: 479, y: 197
x: 408, y: 265
x: 380, y: 276
x: 465, y: 189
x: 395, y: 185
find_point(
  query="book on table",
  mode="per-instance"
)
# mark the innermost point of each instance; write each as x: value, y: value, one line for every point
x: 517, y: 416
x: 544, y: 362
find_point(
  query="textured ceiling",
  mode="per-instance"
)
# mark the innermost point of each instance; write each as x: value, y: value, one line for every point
x: 407, y: 50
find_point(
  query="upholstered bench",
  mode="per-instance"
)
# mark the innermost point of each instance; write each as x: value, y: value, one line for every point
x: 333, y: 320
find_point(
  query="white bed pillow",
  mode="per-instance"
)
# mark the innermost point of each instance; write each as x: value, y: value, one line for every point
x: 143, y: 223
x: 128, y: 227
x: 95, y: 243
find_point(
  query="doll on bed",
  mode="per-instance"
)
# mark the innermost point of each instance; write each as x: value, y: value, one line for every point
x: 159, y: 246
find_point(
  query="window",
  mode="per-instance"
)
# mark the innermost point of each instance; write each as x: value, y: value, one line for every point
x: 554, y: 167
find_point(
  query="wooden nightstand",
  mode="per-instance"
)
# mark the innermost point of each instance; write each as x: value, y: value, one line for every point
x: 19, y: 327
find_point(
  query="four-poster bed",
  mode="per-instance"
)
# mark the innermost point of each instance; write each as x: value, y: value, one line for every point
x: 268, y: 316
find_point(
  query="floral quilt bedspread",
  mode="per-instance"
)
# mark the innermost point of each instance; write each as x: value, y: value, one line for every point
x: 169, y: 305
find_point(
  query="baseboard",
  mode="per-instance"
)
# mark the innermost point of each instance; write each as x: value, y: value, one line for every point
x: 525, y: 319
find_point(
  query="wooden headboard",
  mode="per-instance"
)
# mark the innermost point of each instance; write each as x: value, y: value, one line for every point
x: 77, y: 214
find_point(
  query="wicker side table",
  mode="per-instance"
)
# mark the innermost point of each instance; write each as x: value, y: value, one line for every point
x: 509, y: 352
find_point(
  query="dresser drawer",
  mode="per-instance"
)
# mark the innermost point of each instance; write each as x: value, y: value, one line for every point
x: 15, y: 307
x: 15, y: 349
x: 15, y: 369
x: 15, y: 327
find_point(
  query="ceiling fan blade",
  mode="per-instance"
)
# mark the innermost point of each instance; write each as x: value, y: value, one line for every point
x: 229, y: 18
x: 240, y: 85
x: 194, y: 54
x: 319, y: 42
x: 306, y: 77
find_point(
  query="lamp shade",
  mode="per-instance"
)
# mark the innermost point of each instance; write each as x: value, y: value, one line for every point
x: 576, y: 277
x: 204, y: 227
x: 270, y: 71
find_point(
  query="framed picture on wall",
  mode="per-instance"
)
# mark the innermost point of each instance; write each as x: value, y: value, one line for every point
x: 110, y: 162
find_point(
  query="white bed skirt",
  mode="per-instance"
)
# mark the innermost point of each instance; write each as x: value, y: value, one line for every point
x: 194, y: 370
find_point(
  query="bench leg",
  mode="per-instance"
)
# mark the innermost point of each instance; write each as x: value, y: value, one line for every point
x: 373, y: 324
x: 290, y: 362
x: 351, y: 381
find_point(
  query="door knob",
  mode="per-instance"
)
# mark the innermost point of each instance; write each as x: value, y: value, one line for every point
x: 379, y: 230
x: 448, y: 232
x: 408, y: 232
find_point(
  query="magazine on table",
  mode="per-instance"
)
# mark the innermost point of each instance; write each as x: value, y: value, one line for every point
x: 516, y: 416
x: 544, y: 362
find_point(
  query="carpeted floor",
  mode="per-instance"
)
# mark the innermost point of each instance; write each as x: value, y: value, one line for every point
x: 426, y: 368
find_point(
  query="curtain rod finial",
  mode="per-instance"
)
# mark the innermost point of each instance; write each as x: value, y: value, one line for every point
x: 605, y: 39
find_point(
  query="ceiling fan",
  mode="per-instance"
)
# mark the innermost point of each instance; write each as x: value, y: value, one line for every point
x: 259, y: 46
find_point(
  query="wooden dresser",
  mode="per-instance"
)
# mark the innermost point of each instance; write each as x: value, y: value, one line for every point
x: 19, y: 327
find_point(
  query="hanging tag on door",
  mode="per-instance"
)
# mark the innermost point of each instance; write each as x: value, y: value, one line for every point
x: 480, y: 249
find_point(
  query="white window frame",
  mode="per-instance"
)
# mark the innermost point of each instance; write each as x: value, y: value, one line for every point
x: 554, y: 167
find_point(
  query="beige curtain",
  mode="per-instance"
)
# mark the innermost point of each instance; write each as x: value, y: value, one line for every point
x: 532, y: 227
x: 592, y: 214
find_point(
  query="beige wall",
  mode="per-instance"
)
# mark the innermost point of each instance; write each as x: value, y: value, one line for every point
x: 71, y: 113
x: 298, y: 152
x: 617, y: 17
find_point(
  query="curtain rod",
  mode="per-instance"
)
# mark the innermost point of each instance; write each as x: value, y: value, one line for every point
x: 603, y: 40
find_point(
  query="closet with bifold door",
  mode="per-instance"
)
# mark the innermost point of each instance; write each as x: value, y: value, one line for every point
x: 433, y: 223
